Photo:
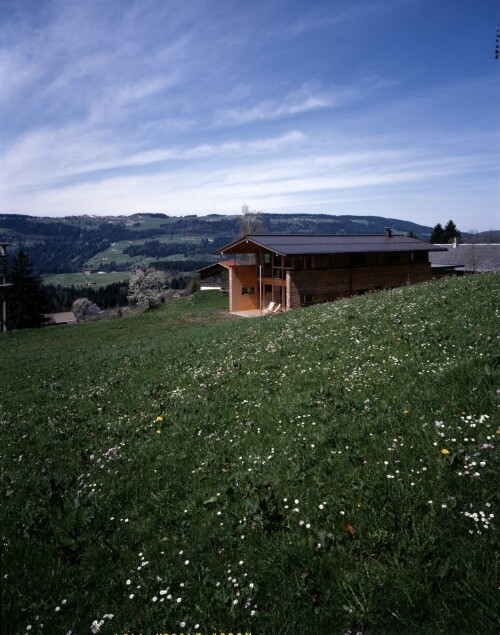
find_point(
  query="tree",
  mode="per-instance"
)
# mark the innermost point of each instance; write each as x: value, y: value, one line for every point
x: 451, y: 232
x: 250, y: 222
x: 438, y: 235
x: 84, y: 308
x: 145, y: 285
x: 26, y: 299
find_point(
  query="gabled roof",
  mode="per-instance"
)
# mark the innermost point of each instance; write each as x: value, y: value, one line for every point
x: 216, y: 268
x: 470, y: 257
x: 318, y: 244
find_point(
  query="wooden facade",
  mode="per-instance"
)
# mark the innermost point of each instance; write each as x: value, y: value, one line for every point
x: 301, y: 279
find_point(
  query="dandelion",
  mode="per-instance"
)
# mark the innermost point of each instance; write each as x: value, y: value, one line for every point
x: 445, y: 451
x: 159, y: 418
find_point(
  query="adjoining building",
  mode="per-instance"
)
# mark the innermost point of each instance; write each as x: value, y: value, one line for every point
x: 295, y: 270
x: 463, y: 258
x: 216, y: 275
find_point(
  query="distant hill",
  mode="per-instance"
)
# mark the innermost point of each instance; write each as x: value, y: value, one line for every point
x: 114, y: 243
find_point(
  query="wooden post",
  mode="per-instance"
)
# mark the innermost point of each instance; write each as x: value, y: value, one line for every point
x: 3, y: 283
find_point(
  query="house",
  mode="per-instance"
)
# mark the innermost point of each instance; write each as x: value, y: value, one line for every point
x: 295, y: 270
x: 459, y: 259
x: 216, y: 275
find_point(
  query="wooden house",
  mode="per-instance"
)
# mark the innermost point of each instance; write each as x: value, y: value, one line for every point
x: 294, y: 270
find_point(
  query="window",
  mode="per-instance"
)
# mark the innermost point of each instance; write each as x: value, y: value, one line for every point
x: 248, y: 291
x: 322, y: 262
x: 419, y: 256
x: 306, y: 298
x: 393, y: 258
x: 268, y: 268
x: 358, y: 260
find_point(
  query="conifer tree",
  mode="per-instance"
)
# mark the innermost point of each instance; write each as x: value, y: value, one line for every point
x: 26, y: 299
x: 451, y: 232
x: 438, y: 235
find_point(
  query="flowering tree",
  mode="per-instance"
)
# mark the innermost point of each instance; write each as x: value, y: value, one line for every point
x: 145, y: 285
x: 83, y: 308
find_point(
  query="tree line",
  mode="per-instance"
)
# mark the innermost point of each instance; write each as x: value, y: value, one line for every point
x: 447, y: 234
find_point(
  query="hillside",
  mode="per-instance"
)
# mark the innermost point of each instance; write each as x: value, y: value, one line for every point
x: 330, y: 470
x: 176, y: 244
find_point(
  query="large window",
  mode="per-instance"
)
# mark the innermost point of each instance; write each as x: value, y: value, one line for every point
x: 358, y: 260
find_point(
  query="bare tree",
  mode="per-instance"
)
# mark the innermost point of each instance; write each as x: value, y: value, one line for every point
x: 250, y: 222
x: 472, y: 255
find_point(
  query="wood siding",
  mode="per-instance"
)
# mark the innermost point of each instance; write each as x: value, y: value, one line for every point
x: 243, y: 277
x: 324, y: 285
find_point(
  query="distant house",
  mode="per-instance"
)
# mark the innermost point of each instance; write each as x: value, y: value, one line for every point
x: 295, y: 270
x: 459, y: 259
x: 66, y: 317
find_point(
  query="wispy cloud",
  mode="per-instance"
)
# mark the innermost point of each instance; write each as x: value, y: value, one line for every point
x: 199, y: 106
x: 308, y: 97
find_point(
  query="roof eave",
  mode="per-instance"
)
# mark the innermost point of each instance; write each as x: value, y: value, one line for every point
x: 231, y: 248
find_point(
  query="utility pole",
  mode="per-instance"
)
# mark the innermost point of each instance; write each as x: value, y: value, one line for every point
x: 3, y: 283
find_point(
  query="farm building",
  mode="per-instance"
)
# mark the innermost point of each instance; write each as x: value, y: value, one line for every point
x: 285, y: 272
x: 461, y: 258
x: 66, y: 317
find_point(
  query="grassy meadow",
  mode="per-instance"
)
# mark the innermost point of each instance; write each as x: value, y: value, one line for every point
x: 332, y: 470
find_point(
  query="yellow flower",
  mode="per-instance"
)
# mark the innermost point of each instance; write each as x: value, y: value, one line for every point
x: 160, y: 418
x: 158, y: 432
x: 445, y: 451
x: 406, y: 412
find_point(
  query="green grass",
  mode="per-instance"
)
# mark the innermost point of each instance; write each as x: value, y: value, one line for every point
x: 80, y: 280
x: 277, y: 475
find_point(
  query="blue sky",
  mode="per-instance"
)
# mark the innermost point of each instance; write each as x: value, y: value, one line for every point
x: 377, y: 107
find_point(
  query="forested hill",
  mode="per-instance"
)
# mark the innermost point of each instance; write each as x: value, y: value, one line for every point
x: 69, y: 244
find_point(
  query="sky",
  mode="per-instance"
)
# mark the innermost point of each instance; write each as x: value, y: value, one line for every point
x: 370, y: 107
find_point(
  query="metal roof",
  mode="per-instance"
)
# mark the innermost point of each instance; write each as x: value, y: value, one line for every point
x: 472, y: 257
x: 318, y: 244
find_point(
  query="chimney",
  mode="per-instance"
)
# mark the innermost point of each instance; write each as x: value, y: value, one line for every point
x: 455, y: 242
x: 388, y: 232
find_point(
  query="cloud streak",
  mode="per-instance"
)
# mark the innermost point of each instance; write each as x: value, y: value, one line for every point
x: 196, y: 107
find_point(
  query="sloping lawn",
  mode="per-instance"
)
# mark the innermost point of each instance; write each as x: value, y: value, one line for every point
x: 329, y: 470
